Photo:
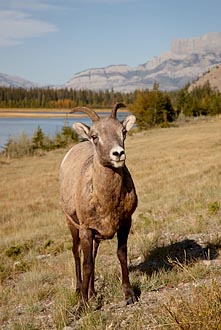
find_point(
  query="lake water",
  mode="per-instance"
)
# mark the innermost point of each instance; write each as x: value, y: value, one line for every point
x: 15, y: 126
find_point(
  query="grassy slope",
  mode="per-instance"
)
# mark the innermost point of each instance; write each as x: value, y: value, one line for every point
x: 173, y: 246
x: 213, y: 76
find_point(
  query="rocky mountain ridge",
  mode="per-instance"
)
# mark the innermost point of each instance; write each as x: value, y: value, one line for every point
x: 187, y: 60
x: 207, y: 43
x: 14, y: 81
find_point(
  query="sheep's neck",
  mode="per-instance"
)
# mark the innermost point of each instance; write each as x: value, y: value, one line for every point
x: 110, y: 201
x: 107, y: 184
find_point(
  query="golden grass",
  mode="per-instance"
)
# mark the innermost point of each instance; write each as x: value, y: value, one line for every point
x: 173, y: 246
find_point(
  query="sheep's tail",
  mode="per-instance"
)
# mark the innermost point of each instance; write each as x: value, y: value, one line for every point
x: 71, y: 220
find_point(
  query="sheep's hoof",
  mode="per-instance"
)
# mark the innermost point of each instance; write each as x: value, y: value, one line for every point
x: 92, y: 294
x: 80, y: 309
x: 131, y: 300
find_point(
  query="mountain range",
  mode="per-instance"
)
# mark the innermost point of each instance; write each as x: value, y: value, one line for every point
x: 14, y: 81
x: 187, y: 60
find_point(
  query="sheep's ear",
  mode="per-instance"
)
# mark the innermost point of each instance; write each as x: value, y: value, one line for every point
x: 82, y: 130
x: 128, y: 122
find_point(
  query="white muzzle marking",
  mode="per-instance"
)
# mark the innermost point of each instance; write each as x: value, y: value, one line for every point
x: 117, y: 156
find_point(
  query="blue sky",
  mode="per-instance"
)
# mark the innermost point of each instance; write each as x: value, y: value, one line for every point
x: 48, y: 41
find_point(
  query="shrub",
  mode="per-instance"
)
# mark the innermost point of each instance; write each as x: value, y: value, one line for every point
x: 17, y: 147
x: 24, y: 145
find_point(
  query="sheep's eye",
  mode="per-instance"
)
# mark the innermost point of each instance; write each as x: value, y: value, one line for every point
x: 94, y: 138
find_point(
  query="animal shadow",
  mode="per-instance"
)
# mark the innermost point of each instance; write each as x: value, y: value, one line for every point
x: 184, y: 252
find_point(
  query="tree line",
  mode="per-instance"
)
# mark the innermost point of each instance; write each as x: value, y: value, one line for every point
x: 151, y: 107
x: 12, y: 97
x: 202, y: 100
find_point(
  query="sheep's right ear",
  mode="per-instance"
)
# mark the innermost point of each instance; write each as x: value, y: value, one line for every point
x: 128, y: 122
x: 82, y: 130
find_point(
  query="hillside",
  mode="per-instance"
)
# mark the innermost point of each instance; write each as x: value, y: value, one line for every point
x: 213, y: 76
x: 173, y: 249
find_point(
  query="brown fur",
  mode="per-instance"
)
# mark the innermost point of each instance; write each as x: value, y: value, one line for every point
x: 99, y: 197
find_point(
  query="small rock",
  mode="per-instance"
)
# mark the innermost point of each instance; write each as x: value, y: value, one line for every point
x: 43, y: 256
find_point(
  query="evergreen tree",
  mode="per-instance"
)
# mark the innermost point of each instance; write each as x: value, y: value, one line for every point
x: 38, y: 138
x: 152, y: 108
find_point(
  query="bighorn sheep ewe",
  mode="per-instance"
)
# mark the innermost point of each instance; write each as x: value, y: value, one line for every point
x: 98, y: 195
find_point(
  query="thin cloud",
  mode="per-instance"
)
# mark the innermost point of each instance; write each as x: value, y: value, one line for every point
x: 27, y: 5
x: 16, y: 26
x: 34, y: 6
x: 19, y: 18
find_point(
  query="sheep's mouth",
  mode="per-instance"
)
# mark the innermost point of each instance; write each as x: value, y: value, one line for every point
x: 118, y: 163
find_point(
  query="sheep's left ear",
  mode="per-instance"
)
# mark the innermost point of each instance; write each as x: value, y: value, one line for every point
x: 82, y: 130
x: 128, y: 122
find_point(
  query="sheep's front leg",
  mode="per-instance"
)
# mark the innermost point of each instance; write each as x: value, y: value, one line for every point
x: 86, y: 239
x: 91, y: 286
x: 122, y: 236
x: 75, y: 250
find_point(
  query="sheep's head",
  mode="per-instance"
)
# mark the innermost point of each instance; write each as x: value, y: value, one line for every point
x: 107, y: 135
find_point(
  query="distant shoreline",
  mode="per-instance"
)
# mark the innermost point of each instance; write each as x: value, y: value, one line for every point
x: 45, y: 113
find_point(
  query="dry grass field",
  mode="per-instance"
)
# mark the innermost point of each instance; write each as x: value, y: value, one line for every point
x: 174, y: 245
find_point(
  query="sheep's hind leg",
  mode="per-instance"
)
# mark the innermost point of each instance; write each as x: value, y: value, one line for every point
x: 122, y: 236
x: 76, y: 254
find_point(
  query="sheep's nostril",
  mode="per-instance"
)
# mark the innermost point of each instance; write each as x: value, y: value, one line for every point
x: 117, y: 154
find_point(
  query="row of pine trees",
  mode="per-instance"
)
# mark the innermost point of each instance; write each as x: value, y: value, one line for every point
x: 11, y: 97
x: 151, y: 107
